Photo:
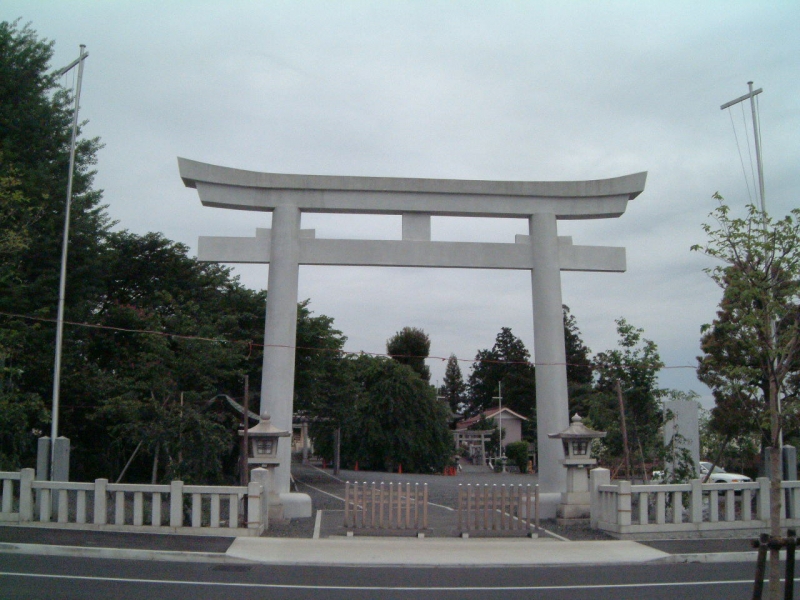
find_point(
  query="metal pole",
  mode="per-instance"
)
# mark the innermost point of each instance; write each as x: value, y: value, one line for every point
x: 757, y: 138
x: 64, y: 247
x: 246, y: 433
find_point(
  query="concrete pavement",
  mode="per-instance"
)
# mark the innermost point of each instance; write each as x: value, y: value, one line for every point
x: 438, y: 552
x: 377, y: 551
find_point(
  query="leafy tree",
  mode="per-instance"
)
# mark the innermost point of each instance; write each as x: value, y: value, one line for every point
x: 188, y: 309
x: 397, y: 420
x: 453, y: 387
x: 35, y: 131
x: 517, y: 453
x: 751, y: 349
x: 411, y: 346
x: 632, y: 368
x: 580, y: 370
x: 507, y: 362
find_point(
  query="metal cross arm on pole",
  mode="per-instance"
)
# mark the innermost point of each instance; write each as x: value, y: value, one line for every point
x: 75, y: 62
x: 741, y: 99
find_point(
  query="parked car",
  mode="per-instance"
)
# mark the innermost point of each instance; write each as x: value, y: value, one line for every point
x: 720, y: 475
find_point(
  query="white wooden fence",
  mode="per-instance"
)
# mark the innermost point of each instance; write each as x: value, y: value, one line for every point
x: 175, y: 508
x: 397, y: 508
x: 695, y: 508
x: 494, y: 510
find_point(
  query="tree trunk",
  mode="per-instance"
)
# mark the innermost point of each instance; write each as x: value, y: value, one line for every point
x: 774, y: 493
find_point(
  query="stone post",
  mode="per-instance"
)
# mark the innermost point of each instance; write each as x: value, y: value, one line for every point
x: 176, y: 503
x: 26, y: 495
x: 552, y: 411
x: 258, y: 494
x: 280, y: 332
x: 597, y: 477
x: 100, y: 501
x: 61, y: 470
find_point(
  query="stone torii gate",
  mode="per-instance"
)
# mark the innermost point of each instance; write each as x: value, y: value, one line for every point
x: 285, y: 247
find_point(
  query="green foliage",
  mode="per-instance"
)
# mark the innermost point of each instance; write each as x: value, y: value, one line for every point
x: 411, y: 346
x: 635, y: 365
x: 395, y: 420
x: 453, y: 388
x: 517, y: 453
x: 507, y: 363
x: 35, y: 130
x: 751, y: 351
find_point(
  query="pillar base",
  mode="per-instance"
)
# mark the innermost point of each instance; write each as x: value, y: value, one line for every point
x: 289, y: 505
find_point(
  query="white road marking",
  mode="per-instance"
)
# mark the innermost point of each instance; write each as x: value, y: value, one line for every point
x: 368, y: 588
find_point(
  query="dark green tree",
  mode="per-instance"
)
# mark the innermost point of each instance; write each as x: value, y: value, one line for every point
x: 396, y: 421
x: 453, y: 388
x: 580, y: 370
x: 634, y: 367
x: 35, y: 131
x: 411, y: 346
x: 506, y: 362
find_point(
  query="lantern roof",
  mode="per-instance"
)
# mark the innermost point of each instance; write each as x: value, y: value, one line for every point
x: 265, y: 427
x: 576, y: 430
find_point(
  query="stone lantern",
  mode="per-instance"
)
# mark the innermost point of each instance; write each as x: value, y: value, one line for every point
x: 262, y: 443
x: 575, y: 505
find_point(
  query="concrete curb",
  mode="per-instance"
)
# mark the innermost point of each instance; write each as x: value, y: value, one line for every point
x: 119, y: 553
x: 282, y: 553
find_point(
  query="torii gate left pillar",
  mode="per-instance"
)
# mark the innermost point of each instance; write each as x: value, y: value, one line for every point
x: 285, y: 247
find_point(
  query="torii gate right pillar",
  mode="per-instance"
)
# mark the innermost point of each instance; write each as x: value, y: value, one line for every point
x: 552, y: 410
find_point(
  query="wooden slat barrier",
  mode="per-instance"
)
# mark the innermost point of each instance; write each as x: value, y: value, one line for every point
x: 401, y: 507
x: 497, y: 510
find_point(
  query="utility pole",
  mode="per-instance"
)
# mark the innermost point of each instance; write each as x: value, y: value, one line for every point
x: 500, y: 451
x: 245, y: 433
x: 756, y: 136
x: 64, y: 247
x: 624, y: 430
x: 759, y: 165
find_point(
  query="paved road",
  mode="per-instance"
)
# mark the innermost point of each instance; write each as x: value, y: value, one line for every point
x: 40, y: 577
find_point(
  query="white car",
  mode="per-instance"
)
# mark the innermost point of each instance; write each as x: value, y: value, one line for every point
x: 720, y: 475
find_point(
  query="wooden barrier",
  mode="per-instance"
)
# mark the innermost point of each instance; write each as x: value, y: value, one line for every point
x: 400, y: 508
x: 492, y: 510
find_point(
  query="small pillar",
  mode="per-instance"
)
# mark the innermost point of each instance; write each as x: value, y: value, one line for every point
x: 61, y: 470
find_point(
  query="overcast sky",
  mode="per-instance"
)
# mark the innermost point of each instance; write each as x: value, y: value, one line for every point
x: 469, y: 90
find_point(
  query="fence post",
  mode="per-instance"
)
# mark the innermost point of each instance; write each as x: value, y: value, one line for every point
x: 262, y: 477
x: 696, y: 501
x: 255, y: 511
x: 26, y: 495
x: 100, y: 489
x: 624, y: 503
x: 763, y: 498
x: 597, y: 477
x: 176, y: 503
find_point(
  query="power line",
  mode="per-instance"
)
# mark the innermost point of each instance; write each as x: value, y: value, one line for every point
x: 252, y: 344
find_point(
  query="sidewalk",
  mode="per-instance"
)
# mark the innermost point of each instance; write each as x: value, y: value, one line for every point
x: 378, y: 551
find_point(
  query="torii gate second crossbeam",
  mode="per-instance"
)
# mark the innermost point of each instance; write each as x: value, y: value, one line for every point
x: 285, y: 247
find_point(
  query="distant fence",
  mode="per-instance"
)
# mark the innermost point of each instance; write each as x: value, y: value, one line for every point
x: 492, y: 510
x: 176, y: 508
x: 696, y: 508
x: 399, y: 508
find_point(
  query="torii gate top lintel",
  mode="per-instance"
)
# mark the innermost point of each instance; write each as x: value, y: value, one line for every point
x: 226, y: 187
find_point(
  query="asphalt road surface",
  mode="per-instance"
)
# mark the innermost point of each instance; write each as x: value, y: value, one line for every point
x: 41, y: 577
